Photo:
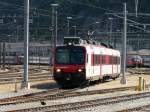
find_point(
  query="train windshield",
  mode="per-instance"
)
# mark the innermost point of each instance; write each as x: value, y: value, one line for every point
x: 73, y: 55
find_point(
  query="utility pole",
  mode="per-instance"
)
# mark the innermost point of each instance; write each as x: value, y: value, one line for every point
x: 54, y: 23
x: 25, y: 83
x: 17, y: 36
x: 68, y: 25
x: 123, y: 79
x: 138, y: 42
x: 54, y: 28
x: 75, y: 30
x: 9, y: 48
x: 0, y: 55
x: 110, y: 38
x: 4, y: 54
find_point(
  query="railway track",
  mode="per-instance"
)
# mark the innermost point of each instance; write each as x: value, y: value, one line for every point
x: 139, y: 71
x: 86, y: 104
x: 33, y: 67
x: 15, y: 74
x: 31, y: 79
x: 46, y: 96
x: 14, y: 69
x: 137, y: 109
x: 17, y: 77
x: 8, y: 71
x: 60, y: 94
x: 52, y: 93
x: 20, y: 74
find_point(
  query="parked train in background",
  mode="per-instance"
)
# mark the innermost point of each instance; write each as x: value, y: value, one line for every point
x: 12, y: 58
x: 134, y: 61
x: 76, y: 64
x: 39, y: 53
x: 146, y: 60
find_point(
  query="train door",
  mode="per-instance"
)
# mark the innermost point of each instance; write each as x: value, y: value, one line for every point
x: 114, y: 63
x: 92, y: 64
x: 100, y: 60
x: 119, y: 64
x: 112, y: 57
x: 89, y: 69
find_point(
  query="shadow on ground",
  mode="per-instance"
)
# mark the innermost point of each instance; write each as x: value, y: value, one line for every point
x: 45, y: 86
x: 52, y: 85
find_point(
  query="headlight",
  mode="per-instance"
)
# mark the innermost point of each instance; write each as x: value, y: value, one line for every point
x: 58, y: 70
x: 79, y: 70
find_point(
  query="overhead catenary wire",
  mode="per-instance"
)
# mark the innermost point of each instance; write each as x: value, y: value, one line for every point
x: 137, y: 23
x: 77, y: 16
x: 21, y: 7
x: 139, y: 28
x: 34, y: 8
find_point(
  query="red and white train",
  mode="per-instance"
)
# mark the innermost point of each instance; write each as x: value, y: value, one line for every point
x: 77, y: 64
x: 134, y: 61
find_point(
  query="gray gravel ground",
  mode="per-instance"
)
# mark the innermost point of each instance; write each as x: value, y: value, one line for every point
x: 118, y: 106
x: 76, y: 99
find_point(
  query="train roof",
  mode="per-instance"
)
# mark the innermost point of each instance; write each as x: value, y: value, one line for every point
x: 88, y: 45
x: 95, y: 48
x: 77, y: 41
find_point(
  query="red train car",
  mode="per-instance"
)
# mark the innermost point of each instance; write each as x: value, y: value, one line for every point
x: 80, y: 63
x: 134, y: 61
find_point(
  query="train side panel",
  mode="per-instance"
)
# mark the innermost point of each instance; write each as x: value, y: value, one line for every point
x: 100, y: 62
x: 106, y: 66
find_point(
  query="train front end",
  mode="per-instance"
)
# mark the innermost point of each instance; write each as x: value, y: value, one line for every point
x: 69, y: 65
